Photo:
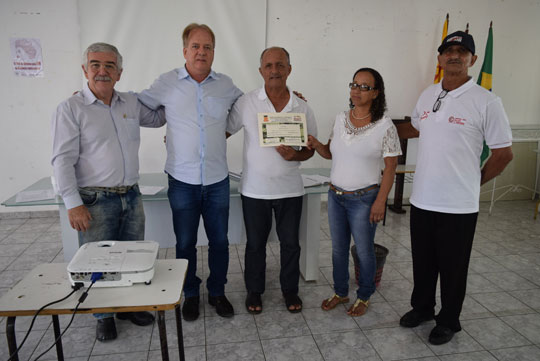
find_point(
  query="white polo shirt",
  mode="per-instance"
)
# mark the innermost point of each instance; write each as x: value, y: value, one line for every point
x: 265, y: 174
x: 447, y: 177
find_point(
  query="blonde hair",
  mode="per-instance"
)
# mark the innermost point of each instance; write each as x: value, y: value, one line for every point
x: 195, y: 26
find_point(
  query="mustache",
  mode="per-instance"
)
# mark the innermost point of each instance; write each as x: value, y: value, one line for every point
x: 454, y: 62
x: 102, y: 78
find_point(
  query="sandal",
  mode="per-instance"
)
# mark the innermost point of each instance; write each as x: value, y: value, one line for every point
x: 254, y: 303
x: 292, y: 300
x: 358, y: 308
x: 332, y: 302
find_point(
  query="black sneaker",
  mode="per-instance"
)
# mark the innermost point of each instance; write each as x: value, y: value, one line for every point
x: 190, y: 310
x: 222, y: 305
x: 106, y: 329
x: 440, y: 335
x: 413, y: 318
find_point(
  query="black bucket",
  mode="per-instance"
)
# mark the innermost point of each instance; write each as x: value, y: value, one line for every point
x: 380, y: 255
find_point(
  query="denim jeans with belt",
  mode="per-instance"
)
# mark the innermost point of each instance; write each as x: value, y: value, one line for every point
x: 348, y: 214
x: 188, y: 202
x: 115, y: 216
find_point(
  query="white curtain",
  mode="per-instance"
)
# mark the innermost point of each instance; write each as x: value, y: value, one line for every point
x: 148, y: 34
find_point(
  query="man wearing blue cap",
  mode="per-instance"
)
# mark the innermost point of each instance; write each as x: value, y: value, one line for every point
x: 452, y: 120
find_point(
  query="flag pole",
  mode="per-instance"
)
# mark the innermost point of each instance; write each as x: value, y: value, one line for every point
x: 438, y: 71
x: 485, y: 80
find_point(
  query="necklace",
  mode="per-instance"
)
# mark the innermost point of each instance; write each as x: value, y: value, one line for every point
x: 350, y: 128
x: 360, y: 118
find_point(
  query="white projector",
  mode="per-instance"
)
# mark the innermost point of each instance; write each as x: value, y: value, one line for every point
x: 122, y: 263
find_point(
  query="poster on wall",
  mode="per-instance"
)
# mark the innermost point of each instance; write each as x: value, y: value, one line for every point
x: 26, y: 57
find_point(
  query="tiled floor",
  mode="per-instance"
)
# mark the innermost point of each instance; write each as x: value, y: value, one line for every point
x: 500, y: 318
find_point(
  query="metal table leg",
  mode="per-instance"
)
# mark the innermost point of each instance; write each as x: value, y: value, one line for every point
x: 398, y: 195
x: 179, y: 333
x: 399, y: 181
x: 163, y: 336
x: 492, y: 196
x: 59, y: 348
x: 12, y: 341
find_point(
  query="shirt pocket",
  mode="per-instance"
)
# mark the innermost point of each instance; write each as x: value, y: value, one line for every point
x: 133, y: 128
x: 217, y: 108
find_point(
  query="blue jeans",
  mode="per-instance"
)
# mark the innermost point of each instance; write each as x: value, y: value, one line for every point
x: 349, y: 214
x: 114, y: 217
x: 188, y: 202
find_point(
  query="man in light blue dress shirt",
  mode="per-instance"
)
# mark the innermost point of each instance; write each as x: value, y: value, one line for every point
x: 197, y: 101
x: 96, y: 139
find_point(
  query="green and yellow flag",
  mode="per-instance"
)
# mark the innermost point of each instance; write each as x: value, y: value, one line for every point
x: 485, y: 78
x: 439, y: 71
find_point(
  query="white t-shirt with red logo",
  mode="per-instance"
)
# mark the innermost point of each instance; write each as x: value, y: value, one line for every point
x: 447, y: 177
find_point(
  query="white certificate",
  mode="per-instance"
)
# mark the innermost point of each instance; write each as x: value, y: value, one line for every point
x: 282, y: 128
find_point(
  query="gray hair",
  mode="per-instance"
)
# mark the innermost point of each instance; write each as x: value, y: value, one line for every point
x: 102, y: 48
x: 280, y: 48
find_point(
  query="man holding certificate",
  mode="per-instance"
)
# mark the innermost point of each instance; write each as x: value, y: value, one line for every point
x: 276, y: 124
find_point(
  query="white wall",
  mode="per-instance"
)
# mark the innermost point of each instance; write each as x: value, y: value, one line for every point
x: 330, y: 40
x: 327, y: 40
x: 26, y: 104
x: 151, y: 50
x: 147, y: 33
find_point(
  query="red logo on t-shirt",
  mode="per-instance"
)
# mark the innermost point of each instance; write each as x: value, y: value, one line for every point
x: 425, y: 115
x: 460, y: 121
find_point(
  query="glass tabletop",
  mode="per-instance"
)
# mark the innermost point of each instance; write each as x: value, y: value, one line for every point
x: 151, y: 179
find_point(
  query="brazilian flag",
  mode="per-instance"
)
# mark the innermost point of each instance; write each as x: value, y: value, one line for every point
x: 484, y: 80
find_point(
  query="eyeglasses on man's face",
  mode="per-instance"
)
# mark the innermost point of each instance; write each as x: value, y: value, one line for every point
x: 438, y: 102
x: 361, y: 87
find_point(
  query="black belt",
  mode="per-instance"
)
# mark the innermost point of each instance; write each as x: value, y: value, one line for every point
x: 356, y: 192
x: 119, y: 189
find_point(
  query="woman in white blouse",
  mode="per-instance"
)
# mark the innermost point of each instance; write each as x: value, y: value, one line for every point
x: 363, y: 138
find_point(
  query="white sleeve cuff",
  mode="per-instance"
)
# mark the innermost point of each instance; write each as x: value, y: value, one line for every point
x: 73, y: 201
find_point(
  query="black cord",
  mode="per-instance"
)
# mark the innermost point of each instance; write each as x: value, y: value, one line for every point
x: 81, y: 300
x: 62, y: 334
x: 77, y: 287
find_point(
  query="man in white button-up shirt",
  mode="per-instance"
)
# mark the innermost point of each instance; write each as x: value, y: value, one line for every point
x: 96, y: 141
